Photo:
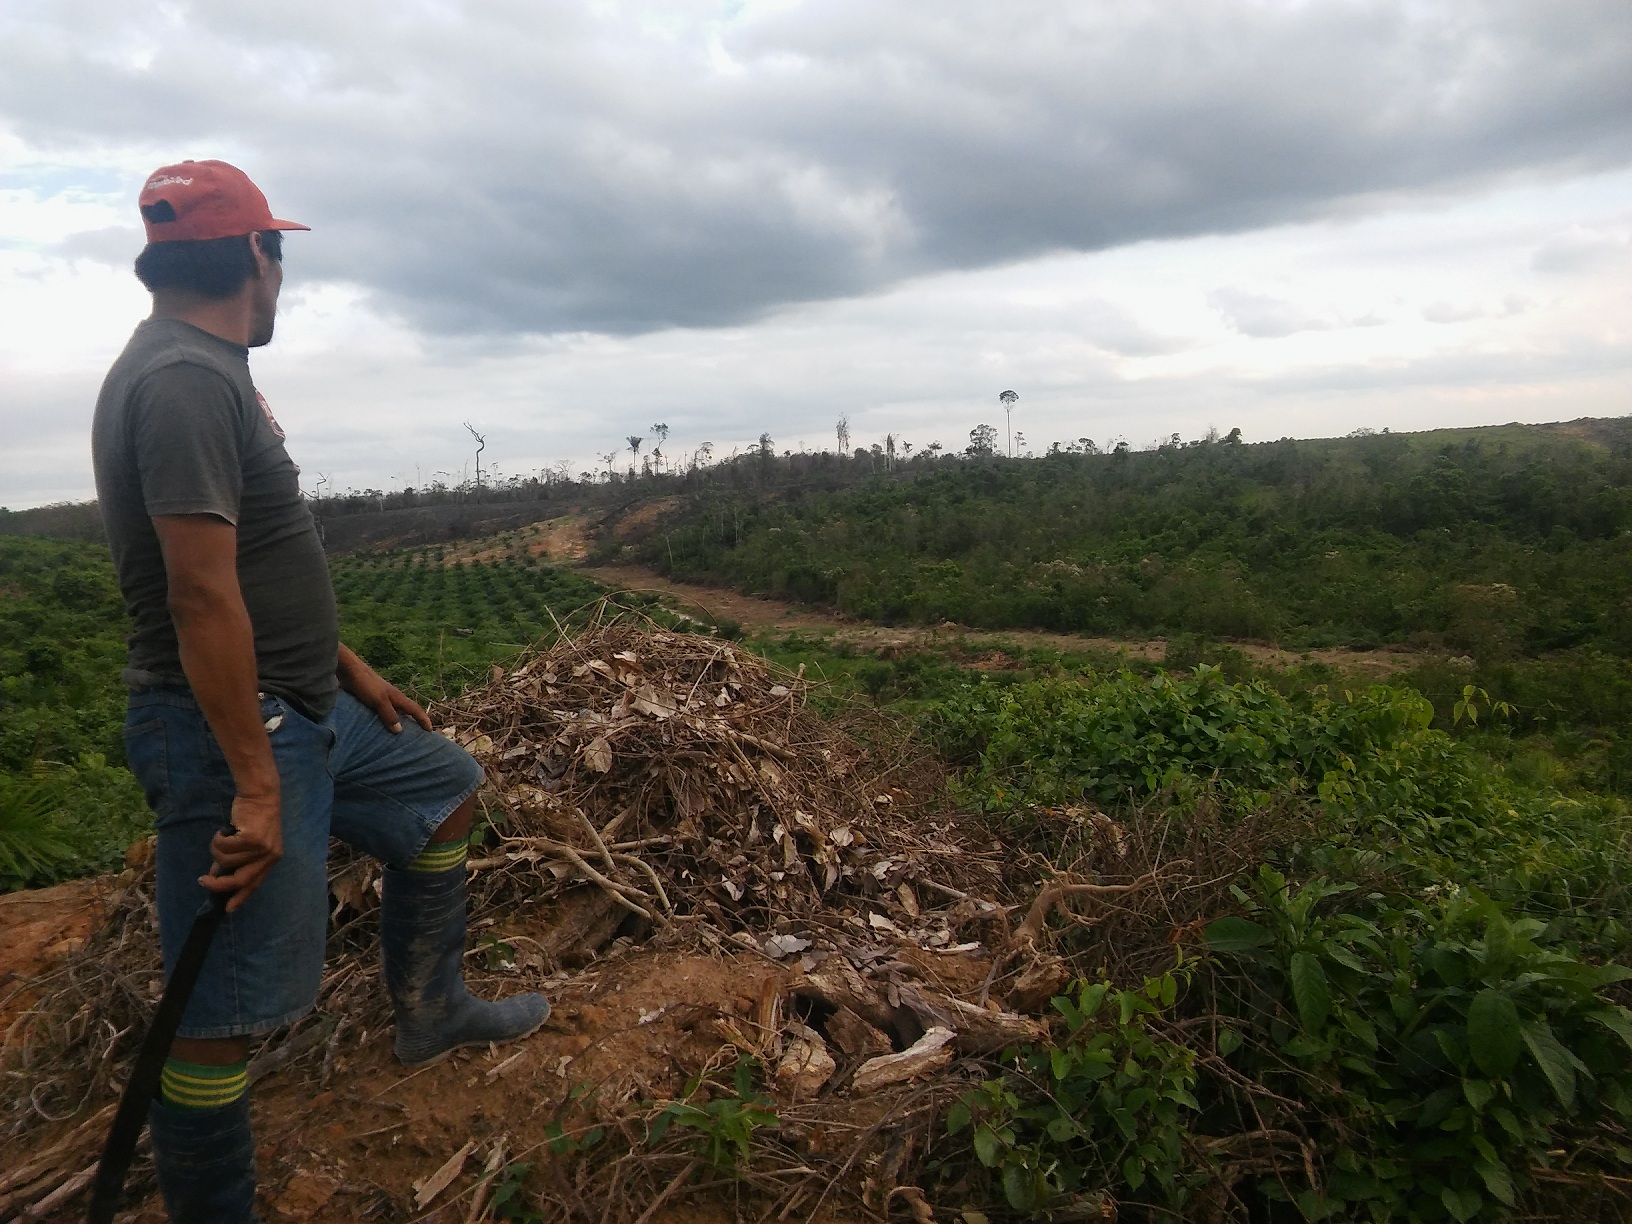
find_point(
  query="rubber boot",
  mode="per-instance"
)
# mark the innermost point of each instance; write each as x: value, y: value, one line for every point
x: 205, y: 1160
x: 422, y: 947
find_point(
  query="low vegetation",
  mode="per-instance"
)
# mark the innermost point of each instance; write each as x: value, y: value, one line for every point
x: 1413, y: 997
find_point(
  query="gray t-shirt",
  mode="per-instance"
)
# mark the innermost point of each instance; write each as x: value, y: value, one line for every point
x: 180, y: 429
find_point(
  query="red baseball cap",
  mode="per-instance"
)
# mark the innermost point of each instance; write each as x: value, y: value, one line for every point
x: 205, y: 199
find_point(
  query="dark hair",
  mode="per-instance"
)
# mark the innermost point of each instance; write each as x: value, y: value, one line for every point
x: 213, y: 267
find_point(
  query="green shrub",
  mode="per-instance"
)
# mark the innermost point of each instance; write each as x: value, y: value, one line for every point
x: 722, y: 1128
x: 1063, y: 740
x: 32, y: 844
x: 1106, y: 1109
x: 1442, y: 1048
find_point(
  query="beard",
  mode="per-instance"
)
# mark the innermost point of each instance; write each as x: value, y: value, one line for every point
x: 263, y: 323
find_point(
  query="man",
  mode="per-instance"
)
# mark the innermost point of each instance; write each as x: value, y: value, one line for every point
x: 255, y: 734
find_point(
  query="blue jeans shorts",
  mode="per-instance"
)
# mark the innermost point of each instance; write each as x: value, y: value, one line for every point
x: 345, y: 775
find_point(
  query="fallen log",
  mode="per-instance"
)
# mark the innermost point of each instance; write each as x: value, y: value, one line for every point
x: 929, y: 1053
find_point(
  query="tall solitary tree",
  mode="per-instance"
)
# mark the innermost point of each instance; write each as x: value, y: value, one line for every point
x: 660, y: 432
x: 634, y: 450
x: 1008, y: 400
x: 843, y: 430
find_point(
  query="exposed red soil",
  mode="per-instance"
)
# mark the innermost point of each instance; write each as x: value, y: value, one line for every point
x: 40, y: 928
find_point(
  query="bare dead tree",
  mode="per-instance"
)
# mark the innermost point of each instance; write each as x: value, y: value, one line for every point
x: 481, y: 445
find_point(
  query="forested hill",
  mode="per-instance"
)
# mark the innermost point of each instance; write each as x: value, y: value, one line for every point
x: 1501, y: 542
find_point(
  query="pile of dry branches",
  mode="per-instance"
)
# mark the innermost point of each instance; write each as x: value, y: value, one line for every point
x: 690, y: 779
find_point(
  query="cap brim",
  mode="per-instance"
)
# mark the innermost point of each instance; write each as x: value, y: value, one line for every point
x: 287, y: 225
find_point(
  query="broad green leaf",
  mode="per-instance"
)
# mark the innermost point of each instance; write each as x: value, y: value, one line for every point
x: 1343, y: 956
x: 1309, y: 991
x: 1235, y: 934
x: 1450, y: 965
x: 1617, y: 1020
x: 1061, y: 1129
x: 1229, y: 1041
x: 1133, y: 1172
x: 659, y: 1125
x: 1497, y: 1181
x: 1019, y: 1187
x: 1498, y: 944
x: 1169, y: 990
x: 1553, y: 1059
x: 1060, y: 1063
x: 987, y: 1148
x: 1478, y: 1093
x: 1494, y: 1038
x: 1505, y: 1119
x: 1462, y: 1206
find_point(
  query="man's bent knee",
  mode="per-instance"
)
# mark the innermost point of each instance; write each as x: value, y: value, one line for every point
x: 458, y: 824
x: 211, y: 1051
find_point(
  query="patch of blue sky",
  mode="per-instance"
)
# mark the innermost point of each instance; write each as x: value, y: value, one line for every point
x: 74, y: 181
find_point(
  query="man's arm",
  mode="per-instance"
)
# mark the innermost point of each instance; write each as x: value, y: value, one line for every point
x: 217, y: 645
x: 378, y: 693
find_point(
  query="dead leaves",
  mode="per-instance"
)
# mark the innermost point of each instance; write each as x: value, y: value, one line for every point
x: 683, y: 775
x: 598, y: 754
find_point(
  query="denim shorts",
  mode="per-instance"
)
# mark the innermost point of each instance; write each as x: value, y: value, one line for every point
x: 345, y: 775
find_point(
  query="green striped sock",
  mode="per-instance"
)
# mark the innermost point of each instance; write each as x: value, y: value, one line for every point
x: 441, y: 856
x: 189, y: 1085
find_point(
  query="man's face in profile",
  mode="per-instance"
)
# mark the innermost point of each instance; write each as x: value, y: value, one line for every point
x: 263, y: 295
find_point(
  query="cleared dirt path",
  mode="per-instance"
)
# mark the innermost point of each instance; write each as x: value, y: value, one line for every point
x: 759, y: 615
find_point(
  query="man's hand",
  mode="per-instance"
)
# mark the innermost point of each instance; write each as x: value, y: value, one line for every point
x: 253, y: 848
x: 378, y: 693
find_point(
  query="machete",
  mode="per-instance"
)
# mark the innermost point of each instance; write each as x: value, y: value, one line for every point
x: 108, y: 1187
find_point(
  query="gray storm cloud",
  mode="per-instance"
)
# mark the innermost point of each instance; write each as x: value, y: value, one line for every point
x: 533, y: 167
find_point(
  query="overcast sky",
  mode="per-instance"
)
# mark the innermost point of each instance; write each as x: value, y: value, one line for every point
x: 565, y: 221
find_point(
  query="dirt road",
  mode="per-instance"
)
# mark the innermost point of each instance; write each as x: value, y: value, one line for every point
x: 776, y: 616
x: 568, y: 541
